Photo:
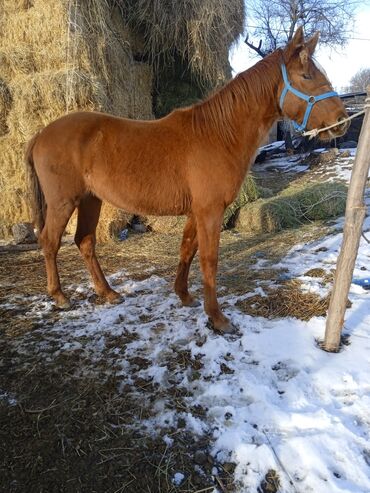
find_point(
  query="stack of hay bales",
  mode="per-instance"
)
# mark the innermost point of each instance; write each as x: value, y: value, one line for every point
x: 198, y: 32
x: 188, y: 45
x: 58, y: 56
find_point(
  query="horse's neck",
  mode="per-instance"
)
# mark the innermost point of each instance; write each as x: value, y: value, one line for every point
x: 240, y: 115
x: 257, y: 108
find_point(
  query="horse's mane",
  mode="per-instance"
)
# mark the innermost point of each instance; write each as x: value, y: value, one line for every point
x: 215, y: 117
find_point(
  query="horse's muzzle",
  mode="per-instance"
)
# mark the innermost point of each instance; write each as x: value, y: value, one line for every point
x: 337, y: 131
x: 342, y: 127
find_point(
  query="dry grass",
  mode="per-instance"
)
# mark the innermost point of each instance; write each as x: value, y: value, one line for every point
x: 271, y: 482
x: 84, y: 434
x: 15, y: 5
x: 286, y: 301
x: 316, y: 272
x: 28, y: 37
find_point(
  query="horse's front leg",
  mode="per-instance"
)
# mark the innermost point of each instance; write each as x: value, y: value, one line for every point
x: 189, y: 246
x: 208, y: 227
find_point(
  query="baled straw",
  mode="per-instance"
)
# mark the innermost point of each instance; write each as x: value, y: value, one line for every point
x: 200, y: 31
x: 59, y: 56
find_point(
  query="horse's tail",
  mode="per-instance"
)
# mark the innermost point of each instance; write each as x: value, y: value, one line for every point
x: 37, y: 198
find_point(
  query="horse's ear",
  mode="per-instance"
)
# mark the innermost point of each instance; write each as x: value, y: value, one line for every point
x: 312, y: 42
x: 296, y: 42
x: 298, y: 37
x: 304, y: 57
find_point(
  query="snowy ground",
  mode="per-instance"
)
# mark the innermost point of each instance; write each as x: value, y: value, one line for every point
x: 336, y: 167
x: 272, y: 398
x: 269, y: 397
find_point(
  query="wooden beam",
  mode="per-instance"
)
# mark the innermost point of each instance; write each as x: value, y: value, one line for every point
x: 354, y: 218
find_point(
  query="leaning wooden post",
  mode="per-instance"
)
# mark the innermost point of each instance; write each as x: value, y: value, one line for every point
x: 355, y: 214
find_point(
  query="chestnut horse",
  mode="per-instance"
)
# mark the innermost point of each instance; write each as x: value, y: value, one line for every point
x: 191, y: 162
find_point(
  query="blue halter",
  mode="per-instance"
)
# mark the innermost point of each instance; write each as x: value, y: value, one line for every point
x: 311, y: 100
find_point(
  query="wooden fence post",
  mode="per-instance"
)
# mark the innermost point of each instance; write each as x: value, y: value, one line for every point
x: 354, y: 218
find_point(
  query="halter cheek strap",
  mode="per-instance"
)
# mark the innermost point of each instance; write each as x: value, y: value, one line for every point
x: 310, y: 100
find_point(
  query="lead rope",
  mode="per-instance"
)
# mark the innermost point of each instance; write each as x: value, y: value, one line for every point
x: 314, y: 132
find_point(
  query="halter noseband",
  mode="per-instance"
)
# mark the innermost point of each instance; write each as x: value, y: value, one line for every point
x: 311, y: 100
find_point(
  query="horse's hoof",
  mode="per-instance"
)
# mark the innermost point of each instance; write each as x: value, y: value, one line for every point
x: 222, y: 328
x: 228, y: 329
x: 114, y: 298
x: 192, y: 303
x: 64, y: 305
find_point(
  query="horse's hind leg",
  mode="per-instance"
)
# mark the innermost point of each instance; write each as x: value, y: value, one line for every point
x: 209, y: 228
x: 188, y: 250
x: 85, y: 239
x: 50, y: 237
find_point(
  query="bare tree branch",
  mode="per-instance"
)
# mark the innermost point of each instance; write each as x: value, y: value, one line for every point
x: 277, y: 21
x: 257, y: 49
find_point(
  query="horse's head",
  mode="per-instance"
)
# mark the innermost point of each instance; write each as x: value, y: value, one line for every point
x: 305, y: 93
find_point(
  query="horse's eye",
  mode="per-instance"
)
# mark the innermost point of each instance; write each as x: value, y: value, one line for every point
x: 306, y: 76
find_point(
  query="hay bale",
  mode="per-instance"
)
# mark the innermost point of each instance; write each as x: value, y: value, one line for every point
x: 249, y: 192
x: 187, y: 46
x: 164, y: 224
x: 112, y: 221
x: 141, y: 105
x: 14, y: 207
x: 40, y: 98
x: 18, y: 60
x: 176, y: 87
x: 293, y: 207
x: 16, y: 5
x: 199, y: 32
x: 58, y: 56
x: 29, y: 36
x: 257, y: 218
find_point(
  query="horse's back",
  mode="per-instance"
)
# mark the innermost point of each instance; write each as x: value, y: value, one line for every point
x: 134, y: 164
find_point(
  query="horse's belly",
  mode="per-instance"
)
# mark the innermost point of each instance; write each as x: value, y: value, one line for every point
x: 139, y: 199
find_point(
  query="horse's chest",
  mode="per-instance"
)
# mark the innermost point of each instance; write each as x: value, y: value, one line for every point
x: 232, y: 187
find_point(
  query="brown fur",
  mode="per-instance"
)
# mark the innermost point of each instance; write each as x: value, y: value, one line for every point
x: 192, y: 162
x: 215, y: 117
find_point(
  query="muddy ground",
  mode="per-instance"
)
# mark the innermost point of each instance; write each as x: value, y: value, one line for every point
x: 70, y: 421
